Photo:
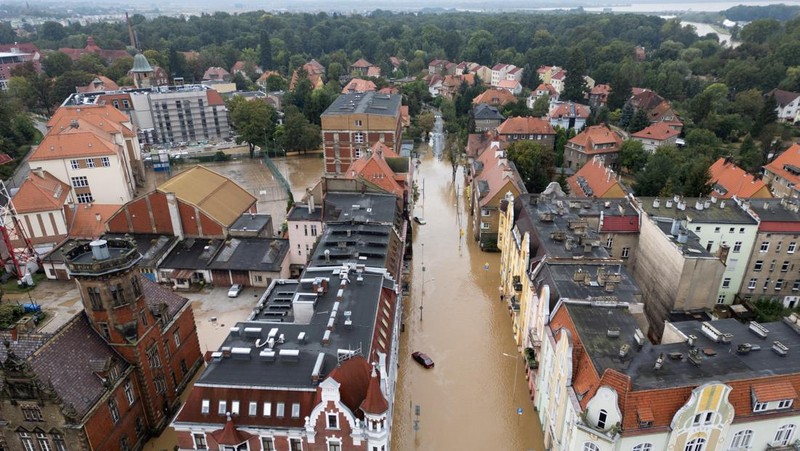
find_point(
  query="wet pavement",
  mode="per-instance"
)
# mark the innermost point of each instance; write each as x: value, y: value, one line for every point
x: 470, y: 400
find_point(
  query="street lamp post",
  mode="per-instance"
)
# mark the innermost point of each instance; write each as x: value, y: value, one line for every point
x: 516, y: 371
x: 422, y: 297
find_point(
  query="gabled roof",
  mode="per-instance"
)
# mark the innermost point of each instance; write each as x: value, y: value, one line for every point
x: 508, y: 84
x: 99, y: 83
x: 358, y: 85
x: 229, y: 435
x: 597, y: 135
x: 361, y: 63
x: 373, y: 71
x: 105, y: 117
x: 72, y: 145
x: 67, y: 361
x: 219, y: 197
x: 159, y: 298
x: 730, y: 180
x: 215, y: 73
x: 354, y: 376
x: 487, y: 112
x: 787, y: 165
x: 594, y: 179
x: 497, y: 173
x: 88, y: 220
x: 494, y: 96
x: 499, y: 66
x: 314, y: 67
x: 783, y: 98
x: 525, y: 126
x: 570, y: 109
x: 601, y: 89
x: 660, y: 131
x: 375, y: 402
x: 40, y: 193
x: 376, y: 170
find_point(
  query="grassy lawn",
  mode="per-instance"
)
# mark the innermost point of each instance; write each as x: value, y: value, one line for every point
x: 12, y: 287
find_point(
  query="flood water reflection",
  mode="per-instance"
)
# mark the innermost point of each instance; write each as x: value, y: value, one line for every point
x: 470, y: 400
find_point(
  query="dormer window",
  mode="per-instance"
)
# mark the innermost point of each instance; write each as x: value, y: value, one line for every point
x: 771, y: 396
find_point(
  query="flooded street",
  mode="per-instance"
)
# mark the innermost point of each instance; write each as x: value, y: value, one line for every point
x: 471, y: 398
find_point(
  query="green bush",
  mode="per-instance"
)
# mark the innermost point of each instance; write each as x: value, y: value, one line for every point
x: 9, y: 314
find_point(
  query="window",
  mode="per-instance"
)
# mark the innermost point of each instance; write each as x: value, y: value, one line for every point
x: 697, y: 444
x: 784, y: 403
x: 358, y: 123
x: 222, y: 408
x: 726, y: 282
x: 123, y: 443
x: 752, y: 283
x: 235, y: 408
x: 296, y: 410
x: 313, y: 230
x: 697, y: 229
x: 709, y: 245
x: 792, y: 247
x: 759, y: 407
x: 279, y: 409
x: 704, y: 418
x: 84, y: 198
x: 152, y: 357
x: 784, y: 435
x: 485, y: 212
x: 335, y: 446
x: 589, y: 446
x: 766, y: 284
x: 333, y: 421
x: 80, y: 182
x: 610, y: 242
x: 105, y: 162
x: 778, y: 285
x: 764, y: 246
x: 796, y: 285
x: 176, y: 336
x: 716, y: 229
x: 267, y: 444
x: 742, y: 439
x: 137, y: 288
x: 205, y: 406
x: 358, y: 138
x: 73, y: 164
x: 625, y: 252
x: 772, y: 266
x: 253, y: 409
x: 267, y: 409
x: 94, y: 298
x: 90, y: 162
x: 731, y: 230
x: 117, y: 294
x: 27, y: 441
x: 112, y: 407
x: 759, y: 264
x: 58, y: 442
x: 741, y: 229
x: 721, y: 299
x: 295, y: 444
x: 785, y: 266
x: 484, y: 225
x: 129, y: 393
x: 31, y: 412
x: 200, y: 441
x: 601, y: 419
x: 737, y: 246
x: 643, y: 447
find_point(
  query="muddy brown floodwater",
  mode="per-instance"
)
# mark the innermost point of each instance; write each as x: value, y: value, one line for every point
x: 470, y: 400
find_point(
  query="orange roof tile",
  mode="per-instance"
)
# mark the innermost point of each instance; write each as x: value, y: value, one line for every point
x: 495, y: 97
x: 374, y: 169
x: 597, y: 135
x: 40, y: 192
x: 359, y: 85
x: 645, y: 414
x: 659, y: 131
x: 214, y: 98
x: 375, y: 402
x: 772, y: 391
x: 508, y: 84
x: 106, y: 117
x: 72, y: 145
x: 88, y: 220
x: 5, y: 158
x: 565, y: 109
x: 373, y: 71
x: 525, y: 126
x: 361, y: 63
x: 601, y: 180
x: 789, y: 158
x: 730, y: 180
x: 498, y: 173
x: 385, y: 150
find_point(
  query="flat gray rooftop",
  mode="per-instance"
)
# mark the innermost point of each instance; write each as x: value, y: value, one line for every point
x: 250, y: 362
x: 357, y: 207
x: 365, y: 103
x: 691, y: 248
x: 250, y: 222
x: 722, y: 212
x: 719, y: 361
x: 356, y: 243
x: 562, y: 278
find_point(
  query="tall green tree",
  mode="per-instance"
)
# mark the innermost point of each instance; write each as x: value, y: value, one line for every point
x: 574, y: 84
x: 297, y: 133
x: 265, y: 50
x: 253, y: 120
x: 534, y: 163
x: 639, y: 121
x: 632, y: 156
x: 56, y: 63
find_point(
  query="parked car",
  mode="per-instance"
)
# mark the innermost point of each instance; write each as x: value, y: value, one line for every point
x: 420, y: 221
x: 235, y: 290
x: 422, y: 359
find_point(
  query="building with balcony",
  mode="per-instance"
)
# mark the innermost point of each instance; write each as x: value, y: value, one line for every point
x: 783, y: 173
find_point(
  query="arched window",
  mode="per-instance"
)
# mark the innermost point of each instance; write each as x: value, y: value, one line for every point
x: 784, y: 435
x: 601, y: 419
x: 697, y: 444
x: 643, y: 447
x: 589, y: 446
x: 742, y: 439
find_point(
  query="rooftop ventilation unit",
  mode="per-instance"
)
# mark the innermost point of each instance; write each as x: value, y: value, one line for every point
x: 326, y: 338
x: 623, y: 350
x: 758, y: 329
x: 289, y: 354
x: 613, y: 332
x: 638, y: 336
x: 691, y: 340
x: 318, y: 366
x: 659, y: 362
x: 711, y: 332
x: 266, y: 355
x: 252, y: 331
x: 301, y: 337
x: 695, y: 358
x: 744, y: 348
x: 240, y: 353
x: 780, y: 348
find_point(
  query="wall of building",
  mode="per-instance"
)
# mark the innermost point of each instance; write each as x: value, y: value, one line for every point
x: 780, y: 262
x: 107, y: 185
x: 303, y: 237
x: 339, y: 137
x: 43, y: 227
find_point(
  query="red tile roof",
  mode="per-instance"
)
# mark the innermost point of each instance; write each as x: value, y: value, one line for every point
x: 374, y: 169
x: 373, y: 71
x: 5, y: 158
x: 215, y: 73
x: 735, y: 181
x: 354, y: 377
x: 100, y: 83
x: 40, y: 193
x: 600, y: 179
x: 659, y: 131
x: 620, y: 224
x: 498, y: 174
x: 771, y: 391
x: 508, y: 84
x: 229, y: 435
x: 84, y: 220
x: 495, y: 97
x: 214, y: 99
x: 358, y: 85
x: 597, y: 135
x: 565, y: 109
x: 361, y: 63
x: 601, y: 89
x: 72, y: 145
x: 92, y: 47
x: 105, y: 117
x: 314, y: 67
x: 525, y: 126
x: 790, y: 159
x: 374, y: 403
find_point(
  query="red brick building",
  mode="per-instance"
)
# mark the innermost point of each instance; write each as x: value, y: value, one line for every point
x: 112, y: 376
x: 354, y: 122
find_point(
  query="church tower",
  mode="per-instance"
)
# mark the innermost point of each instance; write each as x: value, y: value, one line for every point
x: 142, y: 72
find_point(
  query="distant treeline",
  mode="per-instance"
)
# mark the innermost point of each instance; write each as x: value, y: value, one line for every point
x: 744, y: 13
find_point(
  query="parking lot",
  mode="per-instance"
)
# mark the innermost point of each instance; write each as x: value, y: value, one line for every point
x: 214, y: 311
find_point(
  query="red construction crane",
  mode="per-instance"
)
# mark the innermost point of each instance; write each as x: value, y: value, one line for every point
x: 21, y: 254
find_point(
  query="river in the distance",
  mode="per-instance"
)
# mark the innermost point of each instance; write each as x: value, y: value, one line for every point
x: 658, y: 7
x: 470, y: 400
